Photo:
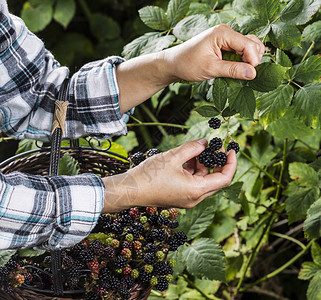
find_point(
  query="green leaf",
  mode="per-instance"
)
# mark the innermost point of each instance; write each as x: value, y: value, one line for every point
x: 299, y: 200
x: 219, y: 93
x: 64, y: 11
x: 37, y: 16
x: 242, y: 100
x: 308, y: 270
x: 154, y: 17
x: 309, y: 70
x: 180, y: 261
x: 253, y: 24
x: 243, y: 7
x: 190, y: 26
x: 273, y: 105
x: 28, y: 144
x: 267, y: 9
x: 197, y: 219
x: 312, y: 32
x: 200, y: 89
x: 313, y: 292
x: 299, y: 11
x: 68, y: 165
x: 312, y: 224
x: 129, y: 142
x: 104, y: 27
x: 268, y: 77
x: 176, y: 10
x: 5, y: 256
x: 303, y: 174
x: 289, y: 127
x: 199, y: 9
x: 207, y: 111
x: 316, y: 254
x: 205, y: 258
x: 282, y: 59
x: 30, y: 252
x: 158, y: 44
x: 307, y: 105
x: 262, y: 31
x: 284, y: 36
x: 133, y: 48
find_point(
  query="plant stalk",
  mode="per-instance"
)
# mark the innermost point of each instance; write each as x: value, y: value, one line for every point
x: 290, y: 238
x: 85, y: 8
x: 279, y: 270
x: 156, y: 124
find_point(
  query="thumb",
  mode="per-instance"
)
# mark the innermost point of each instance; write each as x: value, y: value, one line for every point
x: 190, y: 150
x: 237, y: 70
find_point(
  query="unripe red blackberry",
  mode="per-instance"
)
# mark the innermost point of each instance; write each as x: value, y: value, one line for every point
x: 115, y: 243
x: 137, y: 245
x: 101, y: 291
x: 127, y: 270
x: 151, y: 210
x: 93, y: 265
x: 134, y: 212
x: 173, y: 213
x: 20, y: 278
x: 97, y: 247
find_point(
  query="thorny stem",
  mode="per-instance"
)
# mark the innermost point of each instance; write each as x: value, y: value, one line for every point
x: 279, y: 270
x: 154, y: 119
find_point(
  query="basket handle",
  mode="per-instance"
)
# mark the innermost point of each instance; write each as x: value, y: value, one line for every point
x: 58, y: 126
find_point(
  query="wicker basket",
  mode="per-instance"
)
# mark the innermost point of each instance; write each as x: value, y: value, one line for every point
x: 93, y: 161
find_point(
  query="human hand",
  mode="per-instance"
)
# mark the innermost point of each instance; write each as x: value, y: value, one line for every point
x: 200, y: 58
x: 170, y: 179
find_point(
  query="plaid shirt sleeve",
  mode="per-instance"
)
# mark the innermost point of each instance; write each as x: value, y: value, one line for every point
x: 55, y: 211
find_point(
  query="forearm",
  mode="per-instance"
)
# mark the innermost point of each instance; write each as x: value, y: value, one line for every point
x: 140, y: 78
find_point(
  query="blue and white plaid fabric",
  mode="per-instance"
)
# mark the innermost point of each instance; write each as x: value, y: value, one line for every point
x: 58, y: 211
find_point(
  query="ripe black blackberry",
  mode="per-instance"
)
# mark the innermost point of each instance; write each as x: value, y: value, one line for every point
x: 120, y: 262
x: 204, y: 155
x: 152, y: 152
x: 28, y: 278
x: 86, y: 256
x: 139, y: 227
x: 145, y: 277
x: 123, y: 292
x: 75, y: 251
x: 11, y: 265
x: 173, y: 224
x: 177, y: 240
x: 72, y: 282
x: 127, y: 220
x: 67, y: 261
x: 162, y: 284
x: 128, y: 281
x: 214, y: 123
x: 151, y: 248
x: 221, y: 159
x: 114, y: 282
x: 97, y: 247
x: 4, y: 273
x: 161, y: 268
x: 158, y: 234
x: 137, y: 158
x: 73, y: 271
x: 117, y: 228
x: 210, y: 161
x: 233, y: 146
x: 152, y: 220
x: 134, y: 232
x: 215, y: 144
x: 161, y: 220
x: 149, y: 258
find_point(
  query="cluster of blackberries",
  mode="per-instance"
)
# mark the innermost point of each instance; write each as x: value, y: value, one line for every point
x: 139, y: 156
x: 125, y: 250
x: 213, y: 156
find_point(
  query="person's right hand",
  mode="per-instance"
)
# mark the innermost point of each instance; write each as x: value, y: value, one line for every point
x: 170, y: 179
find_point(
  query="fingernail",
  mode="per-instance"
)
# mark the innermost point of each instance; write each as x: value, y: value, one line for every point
x: 201, y: 141
x: 248, y: 73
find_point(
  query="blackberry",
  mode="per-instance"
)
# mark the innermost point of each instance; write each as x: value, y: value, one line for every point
x: 151, y: 248
x: 152, y: 152
x: 72, y: 282
x: 75, y: 251
x: 11, y: 265
x: 233, y: 146
x: 205, y: 154
x: 73, y: 272
x: 109, y: 252
x: 127, y: 244
x: 173, y: 224
x: 161, y: 220
x: 161, y: 268
x: 221, y: 159
x: 162, y: 284
x: 214, y: 123
x: 124, y: 212
x: 123, y: 292
x: 114, y: 282
x: 139, y: 227
x: 145, y: 277
x: 120, y: 262
x: 117, y: 228
x: 215, y: 144
x: 177, y: 240
x: 128, y: 281
x: 152, y: 220
x: 67, y: 261
x: 149, y: 258
x: 4, y: 273
x: 137, y: 158
x: 28, y: 278
x: 97, y: 247
x: 158, y: 234
x: 86, y: 256
x: 210, y: 161
x: 134, y: 232
x: 91, y: 296
x: 127, y: 220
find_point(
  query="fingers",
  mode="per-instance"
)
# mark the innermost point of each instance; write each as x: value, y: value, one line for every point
x: 222, y: 179
x: 232, y: 69
x: 189, y: 166
x: 188, y: 150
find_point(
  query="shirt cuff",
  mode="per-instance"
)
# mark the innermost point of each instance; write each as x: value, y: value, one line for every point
x: 95, y: 101
x: 79, y: 201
